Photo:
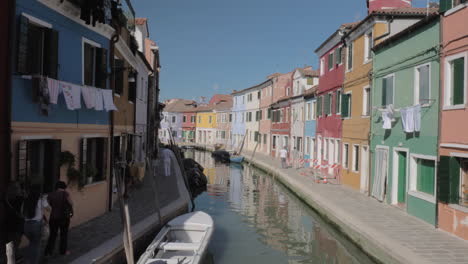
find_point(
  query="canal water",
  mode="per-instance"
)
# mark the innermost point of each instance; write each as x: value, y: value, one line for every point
x: 258, y: 220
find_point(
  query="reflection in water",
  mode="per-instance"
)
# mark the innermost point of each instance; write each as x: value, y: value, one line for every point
x: 257, y: 220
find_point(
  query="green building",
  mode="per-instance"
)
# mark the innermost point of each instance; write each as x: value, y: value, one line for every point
x: 404, y: 153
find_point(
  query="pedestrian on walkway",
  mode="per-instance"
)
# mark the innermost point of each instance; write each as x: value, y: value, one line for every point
x: 62, y: 211
x: 33, y: 211
x: 283, y: 155
x: 14, y: 219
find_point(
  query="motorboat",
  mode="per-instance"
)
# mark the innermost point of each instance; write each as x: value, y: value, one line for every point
x: 184, y: 240
x: 237, y: 159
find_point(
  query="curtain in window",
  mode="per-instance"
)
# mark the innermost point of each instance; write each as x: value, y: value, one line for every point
x: 380, y: 175
x: 423, y: 84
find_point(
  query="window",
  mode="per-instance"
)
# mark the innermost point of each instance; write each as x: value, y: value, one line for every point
x: 269, y: 113
x: 299, y: 144
x: 308, y: 111
x: 322, y: 66
x: 350, y: 57
x: 259, y: 96
x: 281, y: 116
x: 338, y: 102
x: 366, y: 101
x: 338, y: 59
x: 119, y: 66
x: 230, y: 118
x: 464, y: 183
x: 369, y: 43
x: 132, y: 85
x: 345, y: 155
x: 330, y: 61
x: 346, y: 105
x: 184, y: 118
x: 37, y: 51
x: 210, y: 119
x: 449, y: 4
x: 307, y: 146
x: 325, y: 149
x: 330, y: 103
x: 422, y: 175
x: 422, y: 90
x: 94, y: 65
x: 199, y: 119
x: 337, y: 151
x: 312, y: 149
x: 313, y: 109
x: 388, y: 86
x: 93, y: 158
x: 455, y: 81
x: 319, y: 106
x: 39, y: 163
x: 192, y: 119
x: 355, y: 158
x: 173, y: 119
x: 274, y: 142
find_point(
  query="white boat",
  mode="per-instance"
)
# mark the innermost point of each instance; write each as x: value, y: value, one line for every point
x: 184, y: 240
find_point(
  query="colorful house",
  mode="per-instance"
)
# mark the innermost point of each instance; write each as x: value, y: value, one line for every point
x: 189, y: 125
x: 266, y: 99
x: 310, y: 125
x: 43, y: 130
x: 329, y: 91
x: 453, y: 148
x: 224, y: 120
x: 206, y: 125
x: 173, y: 119
x: 379, y: 25
x: 405, y: 119
x: 253, y: 115
x: 280, y: 113
x: 238, y: 115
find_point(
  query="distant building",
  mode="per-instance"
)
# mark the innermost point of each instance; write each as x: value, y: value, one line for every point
x: 310, y: 125
x: 173, y: 119
x: 280, y: 113
x: 223, y: 122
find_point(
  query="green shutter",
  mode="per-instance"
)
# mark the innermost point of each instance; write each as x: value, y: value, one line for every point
x: 345, y: 105
x: 22, y: 66
x: 330, y: 61
x: 327, y: 104
x: 338, y: 55
x: 445, y: 5
x: 443, y: 179
x: 454, y: 166
x: 319, y: 106
x: 337, y: 101
x: 384, y: 92
x: 458, y: 81
x: 425, y: 178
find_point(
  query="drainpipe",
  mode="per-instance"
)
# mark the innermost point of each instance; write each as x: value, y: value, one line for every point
x: 369, y: 165
x: 114, y: 39
x: 441, y: 104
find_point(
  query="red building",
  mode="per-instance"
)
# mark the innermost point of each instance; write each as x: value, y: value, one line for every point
x: 384, y: 4
x: 281, y: 112
x: 329, y: 121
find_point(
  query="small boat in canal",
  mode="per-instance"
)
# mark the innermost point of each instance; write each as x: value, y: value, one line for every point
x: 184, y: 240
x: 237, y: 159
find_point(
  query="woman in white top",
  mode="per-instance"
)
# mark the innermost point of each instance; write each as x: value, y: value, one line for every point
x: 33, y: 212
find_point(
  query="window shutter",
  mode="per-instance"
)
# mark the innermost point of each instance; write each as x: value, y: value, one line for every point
x: 330, y: 61
x: 269, y: 113
x: 454, y: 166
x: 119, y: 72
x: 327, y: 104
x: 384, y: 91
x: 101, y: 68
x: 319, y: 106
x: 345, y: 105
x: 22, y: 168
x: 458, y: 81
x: 445, y: 5
x: 83, y: 162
x: 52, y: 172
x: 338, y: 55
x: 350, y: 56
x: 22, y: 66
x: 51, y: 53
x: 337, y: 101
x: 443, y: 179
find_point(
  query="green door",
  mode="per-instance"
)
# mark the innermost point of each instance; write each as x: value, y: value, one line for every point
x: 401, y: 177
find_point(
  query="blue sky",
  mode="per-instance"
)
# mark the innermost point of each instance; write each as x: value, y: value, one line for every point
x: 216, y: 46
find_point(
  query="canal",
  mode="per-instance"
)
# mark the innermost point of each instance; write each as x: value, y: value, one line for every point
x: 258, y: 220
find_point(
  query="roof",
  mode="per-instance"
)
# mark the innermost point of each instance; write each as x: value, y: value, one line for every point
x: 407, y: 31
x: 258, y: 86
x: 310, y: 92
x: 346, y: 26
x: 218, y: 98
x: 274, y: 75
x: 308, y: 72
x: 180, y: 105
x: 400, y: 12
x: 223, y: 105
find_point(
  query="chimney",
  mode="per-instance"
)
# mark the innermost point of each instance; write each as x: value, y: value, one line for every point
x: 373, y: 5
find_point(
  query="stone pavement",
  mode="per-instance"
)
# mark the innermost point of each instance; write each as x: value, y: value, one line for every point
x: 89, y: 235
x: 385, y: 232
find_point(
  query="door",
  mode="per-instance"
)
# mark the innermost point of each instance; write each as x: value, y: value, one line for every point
x: 402, y: 177
x: 364, y: 169
x: 380, y: 173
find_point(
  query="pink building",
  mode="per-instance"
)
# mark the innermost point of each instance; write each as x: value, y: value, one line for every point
x: 266, y: 99
x: 281, y: 112
x: 385, y: 4
x: 453, y: 151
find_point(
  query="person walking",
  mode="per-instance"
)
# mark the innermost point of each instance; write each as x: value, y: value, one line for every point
x: 62, y: 211
x: 283, y: 155
x: 33, y: 210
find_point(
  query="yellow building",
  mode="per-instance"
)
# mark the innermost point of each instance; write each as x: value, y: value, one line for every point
x: 376, y: 27
x: 205, y: 125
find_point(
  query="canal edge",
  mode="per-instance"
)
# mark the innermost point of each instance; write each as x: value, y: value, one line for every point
x: 369, y: 244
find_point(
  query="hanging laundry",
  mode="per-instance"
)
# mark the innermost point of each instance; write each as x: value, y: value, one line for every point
x: 76, y: 92
x: 407, y: 119
x: 108, y: 100
x: 89, y: 96
x: 99, y: 104
x: 387, y: 119
x: 417, y: 118
x: 67, y: 94
x: 54, y: 90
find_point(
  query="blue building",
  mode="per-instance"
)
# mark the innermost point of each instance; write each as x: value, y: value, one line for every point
x: 238, y: 117
x: 58, y: 50
x: 310, y: 125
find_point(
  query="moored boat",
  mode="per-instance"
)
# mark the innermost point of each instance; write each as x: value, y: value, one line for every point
x: 184, y: 240
x: 237, y: 159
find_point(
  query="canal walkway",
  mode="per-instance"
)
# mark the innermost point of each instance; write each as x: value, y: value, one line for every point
x: 384, y: 232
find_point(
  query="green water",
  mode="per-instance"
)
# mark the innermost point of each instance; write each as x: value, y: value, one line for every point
x: 257, y: 220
